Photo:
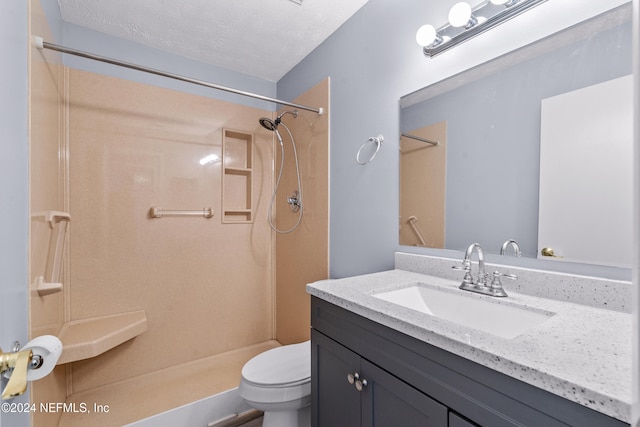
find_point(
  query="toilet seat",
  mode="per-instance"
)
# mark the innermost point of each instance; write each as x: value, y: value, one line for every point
x: 284, y: 366
x: 278, y: 376
x: 278, y: 383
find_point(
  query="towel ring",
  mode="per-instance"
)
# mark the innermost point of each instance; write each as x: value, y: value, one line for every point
x: 378, y: 140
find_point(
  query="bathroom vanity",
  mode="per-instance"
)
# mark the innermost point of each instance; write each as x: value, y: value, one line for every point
x: 376, y: 362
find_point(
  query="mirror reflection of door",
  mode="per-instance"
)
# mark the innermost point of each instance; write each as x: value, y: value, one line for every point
x: 422, y: 186
x: 586, y: 175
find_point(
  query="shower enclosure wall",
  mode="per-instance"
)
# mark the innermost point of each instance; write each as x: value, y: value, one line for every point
x: 106, y: 150
x: 302, y: 255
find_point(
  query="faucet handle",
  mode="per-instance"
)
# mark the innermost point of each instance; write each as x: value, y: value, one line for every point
x: 497, y: 275
x: 466, y: 266
x: 496, y: 284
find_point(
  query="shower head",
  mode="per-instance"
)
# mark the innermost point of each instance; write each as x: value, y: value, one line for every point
x: 272, y: 125
x: 269, y: 124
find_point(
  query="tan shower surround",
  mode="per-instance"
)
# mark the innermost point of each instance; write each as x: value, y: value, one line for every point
x: 106, y: 150
x: 47, y: 192
x: 206, y: 287
x: 303, y: 256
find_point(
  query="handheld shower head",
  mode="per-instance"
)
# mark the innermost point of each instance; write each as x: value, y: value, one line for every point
x: 294, y: 201
x: 272, y: 125
x: 268, y: 124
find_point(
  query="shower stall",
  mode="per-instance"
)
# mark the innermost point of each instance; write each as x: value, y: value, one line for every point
x: 191, y: 297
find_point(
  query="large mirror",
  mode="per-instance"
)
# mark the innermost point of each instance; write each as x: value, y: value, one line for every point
x: 470, y: 163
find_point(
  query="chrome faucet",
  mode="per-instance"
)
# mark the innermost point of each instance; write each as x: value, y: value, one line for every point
x: 482, y: 276
x: 468, y: 283
x: 480, y: 286
x: 513, y: 243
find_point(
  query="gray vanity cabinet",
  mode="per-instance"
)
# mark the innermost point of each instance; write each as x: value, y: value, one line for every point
x: 406, y: 382
x: 338, y: 400
x: 350, y: 391
x: 456, y: 420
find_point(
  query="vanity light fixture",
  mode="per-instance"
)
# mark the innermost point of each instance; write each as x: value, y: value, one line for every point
x: 461, y: 15
x: 507, y: 3
x: 466, y: 22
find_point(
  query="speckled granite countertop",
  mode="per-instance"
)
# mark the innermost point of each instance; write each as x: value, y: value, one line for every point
x: 582, y: 353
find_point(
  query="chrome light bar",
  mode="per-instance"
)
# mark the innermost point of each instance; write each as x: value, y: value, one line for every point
x: 488, y: 15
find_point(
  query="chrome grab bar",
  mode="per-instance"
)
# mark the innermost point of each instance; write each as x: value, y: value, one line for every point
x: 158, y: 212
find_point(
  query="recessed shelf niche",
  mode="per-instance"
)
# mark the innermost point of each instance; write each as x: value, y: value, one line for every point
x: 237, y: 176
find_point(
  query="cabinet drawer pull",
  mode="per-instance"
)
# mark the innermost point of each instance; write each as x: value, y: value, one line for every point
x: 361, y: 384
x: 353, y: 377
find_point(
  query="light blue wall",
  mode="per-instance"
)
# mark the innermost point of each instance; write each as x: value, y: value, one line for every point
x: 363, y: 59
x: 14, y: 189
x: 80, y: 38
x: 372, y: 61
x: 52, y: 13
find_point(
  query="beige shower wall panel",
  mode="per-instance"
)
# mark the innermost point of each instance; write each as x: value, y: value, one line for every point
x: 206, y: 287
x: 422, y: 186
x: 46, y: 193
x: 46, y: 154
x: 302, y: 256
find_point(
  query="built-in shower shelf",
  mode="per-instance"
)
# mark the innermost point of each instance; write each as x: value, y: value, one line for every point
x: 238, y: 215
x: 237, y: 176
x: 87, y: 338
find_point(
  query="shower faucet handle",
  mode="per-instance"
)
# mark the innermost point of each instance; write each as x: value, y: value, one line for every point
x: 294, y: 201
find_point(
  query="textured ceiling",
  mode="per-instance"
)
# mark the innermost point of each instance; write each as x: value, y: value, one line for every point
x: 263, y: 38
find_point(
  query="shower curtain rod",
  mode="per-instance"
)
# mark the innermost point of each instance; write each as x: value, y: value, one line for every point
x: 41, y: 44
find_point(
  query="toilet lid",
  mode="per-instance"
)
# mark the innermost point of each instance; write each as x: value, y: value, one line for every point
x: 280, y: 366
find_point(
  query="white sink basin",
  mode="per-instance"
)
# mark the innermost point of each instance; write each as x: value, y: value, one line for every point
x: 502, y: 319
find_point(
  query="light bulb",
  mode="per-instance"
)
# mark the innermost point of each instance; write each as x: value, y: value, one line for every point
x: 426, y: 35
x: 460, y: 15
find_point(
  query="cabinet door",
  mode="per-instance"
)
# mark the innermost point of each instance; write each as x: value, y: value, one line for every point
x: 334, y: 401
x: 456, y: 420
x: 390, y: 402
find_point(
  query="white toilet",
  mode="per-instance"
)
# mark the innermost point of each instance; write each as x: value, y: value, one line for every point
x: 278, y: 382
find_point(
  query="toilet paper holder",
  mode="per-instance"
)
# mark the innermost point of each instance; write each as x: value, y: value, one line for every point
x: 35, y: 361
